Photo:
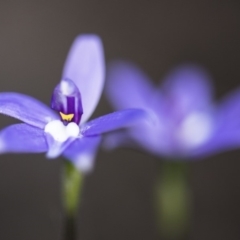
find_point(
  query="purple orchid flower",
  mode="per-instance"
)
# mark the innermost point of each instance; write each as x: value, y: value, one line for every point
x: 187, y: 123
x: 63, y: 127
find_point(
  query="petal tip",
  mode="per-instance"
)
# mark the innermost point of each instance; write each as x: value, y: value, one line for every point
x: 89, y: 40
x: 88, y: 36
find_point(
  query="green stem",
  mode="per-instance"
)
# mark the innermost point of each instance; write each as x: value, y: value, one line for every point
x: 173, y: 200
x: 72, y: 184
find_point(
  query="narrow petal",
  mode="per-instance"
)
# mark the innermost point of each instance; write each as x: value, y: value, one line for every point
x: 82, y: 152
x: 22, y: 138
x: 188, y: 88
x: 115, y: 121
x: 128, y: 87
x: 26, y: 109
x: 86, y: 67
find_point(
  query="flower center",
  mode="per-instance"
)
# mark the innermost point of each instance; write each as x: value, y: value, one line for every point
x: 61, y: 132
x: 195, y: 129
x: 66, y: 100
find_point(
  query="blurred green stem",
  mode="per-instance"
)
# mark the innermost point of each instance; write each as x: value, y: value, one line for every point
x: 72, y: 185
x: 173, y: 200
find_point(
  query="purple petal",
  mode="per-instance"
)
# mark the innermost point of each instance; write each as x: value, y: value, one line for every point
x: 26, y: 109
x: 188, y: 88
x: 128, y: 87
x: 229, y: 111
x: 22, y: 138
x: 118, y: 139
x: 227, y: 127
x: 221, y: 141
x: 86, y: 67
x: 114, y: 121
x: 82, y: 152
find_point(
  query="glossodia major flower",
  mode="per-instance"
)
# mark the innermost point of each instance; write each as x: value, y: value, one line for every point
x: 187, y: 123
x: 62, y: 127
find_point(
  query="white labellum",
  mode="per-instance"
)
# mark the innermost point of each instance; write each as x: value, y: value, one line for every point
x: 60, y: 132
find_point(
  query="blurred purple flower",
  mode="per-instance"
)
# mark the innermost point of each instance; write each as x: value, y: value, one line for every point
x: 186, y: 121
x: 64, y: 129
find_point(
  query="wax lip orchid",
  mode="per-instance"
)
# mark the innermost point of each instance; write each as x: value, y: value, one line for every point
x: 187, y: 123
x: 62, y: 129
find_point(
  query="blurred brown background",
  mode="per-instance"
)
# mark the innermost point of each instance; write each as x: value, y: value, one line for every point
x: 117, y: 199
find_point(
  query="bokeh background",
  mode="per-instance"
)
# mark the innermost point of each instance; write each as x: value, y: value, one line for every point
x: 117, y: 201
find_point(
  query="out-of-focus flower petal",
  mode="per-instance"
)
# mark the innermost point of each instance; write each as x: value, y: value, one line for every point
x: 116, y: 139
x: 56, y: 148
x: 153, y: 136
x: 188, y: 88
x: 221, y: 141
x: 226, y: 135
x: 86, y: 67
x: 82, y: 152
x: 113, y: 121
x: 128, y: 87
x: 229, y: 111
x: 26, y: 109
x: 22, y: 138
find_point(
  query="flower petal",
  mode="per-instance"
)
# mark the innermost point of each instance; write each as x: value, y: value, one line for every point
x: 221, y: 141
x: 114, y: 121
x: 86, y: 67
x: 116, y: 139
x: 188, y: 88
x: 128, y: 87
x: 82, y: 152
x: 229, y: 111
x: 26, y: 109
x: 227, y: 127
x: 22, y: 138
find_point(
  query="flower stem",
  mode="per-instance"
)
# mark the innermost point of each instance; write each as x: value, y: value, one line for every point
x: 173, y: 200
x: 72, y: 184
